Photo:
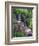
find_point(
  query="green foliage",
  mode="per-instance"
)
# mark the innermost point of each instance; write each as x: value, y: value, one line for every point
x: 19, y: 34
x: 29, y: 23
x: 23, y: 11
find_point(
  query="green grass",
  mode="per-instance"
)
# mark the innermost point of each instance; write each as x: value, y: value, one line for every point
x: 18, y: 34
